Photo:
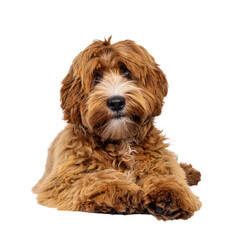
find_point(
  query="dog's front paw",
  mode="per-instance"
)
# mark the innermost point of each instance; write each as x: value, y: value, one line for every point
x: 167, y: 209
x: 168, y: 201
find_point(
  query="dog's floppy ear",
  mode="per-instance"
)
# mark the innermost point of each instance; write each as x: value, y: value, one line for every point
x: 157, y: 82
x: 154, y: 78
x: 70, y: 94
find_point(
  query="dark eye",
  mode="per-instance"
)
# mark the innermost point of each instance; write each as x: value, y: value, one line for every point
x: 97, y: 77
x: 124, y: 71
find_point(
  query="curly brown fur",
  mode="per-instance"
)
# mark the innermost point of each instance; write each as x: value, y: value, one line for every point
x: 193, y: 176
x: 115, y: 162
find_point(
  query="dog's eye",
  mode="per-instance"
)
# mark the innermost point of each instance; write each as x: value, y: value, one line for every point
x: 124, y: 71
x: 97, y: 77
x: 127, y: 75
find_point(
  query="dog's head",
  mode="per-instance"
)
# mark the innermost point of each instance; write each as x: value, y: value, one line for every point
x: 113, y: 89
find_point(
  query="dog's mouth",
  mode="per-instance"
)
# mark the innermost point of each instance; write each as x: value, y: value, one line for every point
x: 134, y: 118
x: 119, y: 116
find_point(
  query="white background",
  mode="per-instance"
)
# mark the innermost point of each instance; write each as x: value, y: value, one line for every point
x: 196, y: 44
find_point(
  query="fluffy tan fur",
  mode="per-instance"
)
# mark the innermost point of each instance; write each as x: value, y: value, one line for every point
x: 100, y: 163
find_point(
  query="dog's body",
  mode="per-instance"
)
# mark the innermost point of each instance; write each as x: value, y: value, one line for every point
x: 110, y: 158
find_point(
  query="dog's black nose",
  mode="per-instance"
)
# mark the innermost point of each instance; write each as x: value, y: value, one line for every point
x: 116, y: 103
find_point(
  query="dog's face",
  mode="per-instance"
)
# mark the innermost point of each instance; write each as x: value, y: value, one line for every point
x: 113, y: 89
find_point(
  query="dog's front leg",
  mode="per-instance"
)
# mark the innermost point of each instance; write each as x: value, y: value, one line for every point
x: 166, y: 191
x: 106, y: 191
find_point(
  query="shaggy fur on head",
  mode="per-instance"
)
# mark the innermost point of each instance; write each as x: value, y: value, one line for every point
x: 110, y: 158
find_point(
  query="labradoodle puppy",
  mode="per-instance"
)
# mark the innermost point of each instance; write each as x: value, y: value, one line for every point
x: 110, y: 158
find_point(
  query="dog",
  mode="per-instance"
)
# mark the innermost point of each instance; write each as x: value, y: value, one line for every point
x: 110, y: 158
